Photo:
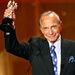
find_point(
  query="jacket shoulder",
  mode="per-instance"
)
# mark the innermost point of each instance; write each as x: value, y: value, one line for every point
x: 70, y: 43
x: 36, y: 39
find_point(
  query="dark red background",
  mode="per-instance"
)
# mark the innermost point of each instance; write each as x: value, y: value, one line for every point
x: 26, y: 23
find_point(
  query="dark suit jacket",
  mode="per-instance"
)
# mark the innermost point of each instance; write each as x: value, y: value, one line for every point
x: 38, y: 52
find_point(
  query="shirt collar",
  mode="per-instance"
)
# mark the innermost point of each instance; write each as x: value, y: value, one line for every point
x: 57, y: 44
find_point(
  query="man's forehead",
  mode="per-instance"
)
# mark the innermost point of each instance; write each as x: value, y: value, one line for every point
x: 50, y: 17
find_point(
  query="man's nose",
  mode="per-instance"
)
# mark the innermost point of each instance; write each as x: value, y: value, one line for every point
x: 50, y: 31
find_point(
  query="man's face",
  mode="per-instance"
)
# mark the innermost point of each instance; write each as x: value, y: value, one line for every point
x: 50, y: 28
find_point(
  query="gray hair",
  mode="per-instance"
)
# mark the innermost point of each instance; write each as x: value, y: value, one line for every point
x: 49, y: 13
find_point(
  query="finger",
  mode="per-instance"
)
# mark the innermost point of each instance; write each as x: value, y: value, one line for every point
x: 13, y: 15
x: 8, y: 12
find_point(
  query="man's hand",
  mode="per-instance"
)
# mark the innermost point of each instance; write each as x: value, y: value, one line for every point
x: 9, y: 13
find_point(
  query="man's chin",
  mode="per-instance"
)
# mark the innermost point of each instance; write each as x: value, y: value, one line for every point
x: 52, y: 40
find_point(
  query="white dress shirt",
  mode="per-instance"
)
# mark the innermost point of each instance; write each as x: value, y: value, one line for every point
x: 57, y: 45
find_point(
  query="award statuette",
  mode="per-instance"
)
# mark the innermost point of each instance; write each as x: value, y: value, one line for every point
x: 13, y: 5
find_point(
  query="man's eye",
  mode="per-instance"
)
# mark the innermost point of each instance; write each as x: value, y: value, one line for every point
x: 54, y: 26
x: 45, y: 28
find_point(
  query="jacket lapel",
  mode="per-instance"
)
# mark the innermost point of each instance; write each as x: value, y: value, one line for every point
x: 47, y: 57
x: 64, y: 54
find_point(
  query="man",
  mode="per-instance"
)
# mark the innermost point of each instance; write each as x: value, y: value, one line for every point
x: 39, y: 50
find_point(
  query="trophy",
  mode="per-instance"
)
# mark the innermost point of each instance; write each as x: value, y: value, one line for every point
x: 13, y: 5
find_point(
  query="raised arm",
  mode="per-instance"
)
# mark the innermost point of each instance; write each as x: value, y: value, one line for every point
x: 11, y: 43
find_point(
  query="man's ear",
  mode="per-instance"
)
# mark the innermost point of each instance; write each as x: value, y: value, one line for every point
x: 61, y: 25
x: 40, y: 29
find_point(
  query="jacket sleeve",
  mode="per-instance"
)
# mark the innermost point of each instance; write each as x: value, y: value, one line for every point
x: 13, y: 46
x: 11, y: 43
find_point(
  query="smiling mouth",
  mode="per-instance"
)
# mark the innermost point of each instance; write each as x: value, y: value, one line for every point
x: 51, y: 36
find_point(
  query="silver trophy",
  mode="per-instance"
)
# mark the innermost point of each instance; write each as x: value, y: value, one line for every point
x: 13, y: 5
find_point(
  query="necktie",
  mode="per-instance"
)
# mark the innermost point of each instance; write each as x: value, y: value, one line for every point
x: 54, y: 58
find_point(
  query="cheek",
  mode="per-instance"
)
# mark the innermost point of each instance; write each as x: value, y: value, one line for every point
x: 44, y: 32
x: 56, y: 31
